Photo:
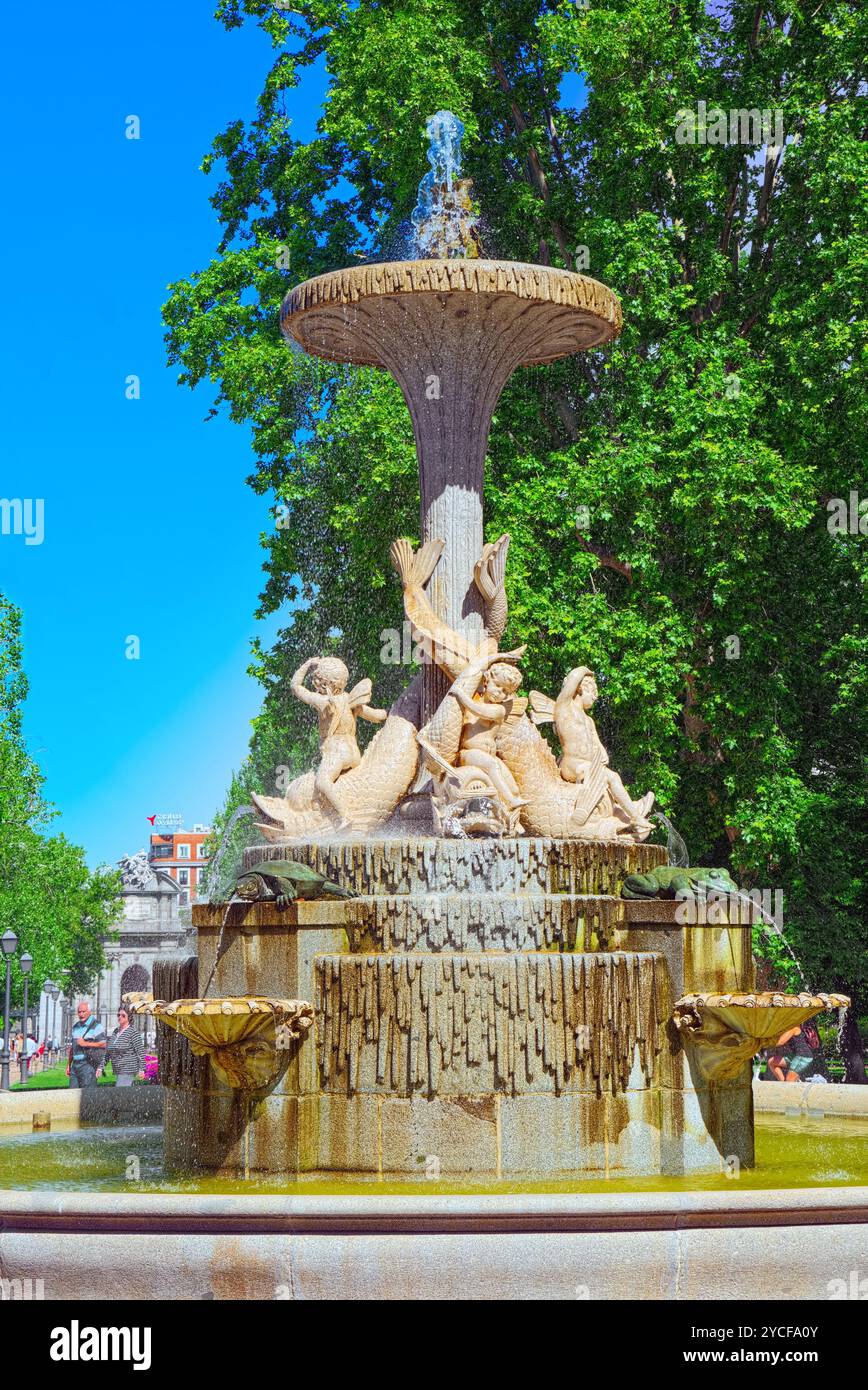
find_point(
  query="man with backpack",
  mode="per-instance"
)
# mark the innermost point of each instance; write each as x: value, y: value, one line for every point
x: 87, y: 1048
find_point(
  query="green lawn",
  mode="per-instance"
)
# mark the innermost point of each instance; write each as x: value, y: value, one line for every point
x: 52, y: 1079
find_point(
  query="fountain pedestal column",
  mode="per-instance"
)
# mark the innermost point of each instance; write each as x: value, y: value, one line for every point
x: 703, y: 1126
x: 451, y: 333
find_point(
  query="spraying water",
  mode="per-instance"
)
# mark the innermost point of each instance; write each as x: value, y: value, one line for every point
x: 444, y: 224
x: 219, y: 952
x: 214, y: 894
x: 675, y: 846
x: 768, y: 921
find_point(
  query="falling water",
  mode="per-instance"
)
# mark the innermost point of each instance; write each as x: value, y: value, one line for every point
x: 443, y: 220
x: 769, y: 921
x: 214, y: 894
x: 218, y: 953
x: 675, y: 846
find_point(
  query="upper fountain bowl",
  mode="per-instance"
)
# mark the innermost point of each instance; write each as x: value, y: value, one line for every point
x: 535, y: 314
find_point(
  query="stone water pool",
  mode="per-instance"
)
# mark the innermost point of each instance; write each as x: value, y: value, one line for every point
x: 791, y: 1151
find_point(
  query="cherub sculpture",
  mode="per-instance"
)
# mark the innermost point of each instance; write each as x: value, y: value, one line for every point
x: 483, y: 711
x: 584, y: 760
x: 459, y: 742
x: 338, y: 710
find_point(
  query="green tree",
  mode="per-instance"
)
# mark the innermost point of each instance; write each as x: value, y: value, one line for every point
x: 669, y: 498
x: 59, y: 909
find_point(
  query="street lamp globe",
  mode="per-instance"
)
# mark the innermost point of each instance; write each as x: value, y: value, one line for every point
x: 9, y: 942
x: 26, y: 963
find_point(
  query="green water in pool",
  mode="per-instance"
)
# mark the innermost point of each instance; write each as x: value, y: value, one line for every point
x: 791, y: 1152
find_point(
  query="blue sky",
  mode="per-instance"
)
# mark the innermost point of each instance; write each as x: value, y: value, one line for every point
x: 150, y: 528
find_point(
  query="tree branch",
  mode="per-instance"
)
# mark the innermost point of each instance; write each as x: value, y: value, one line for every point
x: 535, y: 172
x: 606, y: 557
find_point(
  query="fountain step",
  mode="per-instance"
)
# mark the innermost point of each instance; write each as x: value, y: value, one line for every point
x: 441, y: 921
x: 473, y: 921
x: 427, y: 864
x: 483, y: 922
x: 475, y: 1024
x: 518, y: 921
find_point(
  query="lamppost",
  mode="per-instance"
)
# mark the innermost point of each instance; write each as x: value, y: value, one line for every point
x: 46, y: 990
x: 55, y: 995
x: 26, y: 963
x: 66, y: 1020
x: 47, y: 986
x: 8, y: 945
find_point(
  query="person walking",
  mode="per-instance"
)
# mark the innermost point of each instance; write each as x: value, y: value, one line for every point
x: 87, y: 1048
x: 29, y: 1049
x: 125, y: 1051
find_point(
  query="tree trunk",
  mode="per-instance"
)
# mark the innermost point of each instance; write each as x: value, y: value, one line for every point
x: 851, y: 1047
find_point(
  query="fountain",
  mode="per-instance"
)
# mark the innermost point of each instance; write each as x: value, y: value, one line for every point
x: 454, y: 956
x: 482, y: 998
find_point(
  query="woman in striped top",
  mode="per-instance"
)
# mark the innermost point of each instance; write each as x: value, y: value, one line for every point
x: 125, y: 1051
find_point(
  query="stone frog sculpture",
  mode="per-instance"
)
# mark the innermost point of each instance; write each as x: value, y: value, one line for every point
x: 668, y: 882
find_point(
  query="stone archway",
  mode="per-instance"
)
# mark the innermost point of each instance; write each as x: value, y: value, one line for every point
x: 134, y: 979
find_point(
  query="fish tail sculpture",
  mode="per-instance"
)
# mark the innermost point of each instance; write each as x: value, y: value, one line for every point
x: 490, y: 575
x: 554, y: 807
x: 415, y: 567
x: 450, y: 650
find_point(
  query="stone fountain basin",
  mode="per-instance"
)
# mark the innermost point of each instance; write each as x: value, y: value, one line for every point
x: 246, y: 1038
x: 549, y: 313
x: 425, y: 864
x: 523, y: 1246
x: 729, y: 1029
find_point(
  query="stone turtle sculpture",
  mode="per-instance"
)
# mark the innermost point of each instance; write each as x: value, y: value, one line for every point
x: 283, y: 881
x: 669, y: 882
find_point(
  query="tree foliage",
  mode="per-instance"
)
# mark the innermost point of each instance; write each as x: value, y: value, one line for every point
x: 58, y: 908
x: 667, y: 498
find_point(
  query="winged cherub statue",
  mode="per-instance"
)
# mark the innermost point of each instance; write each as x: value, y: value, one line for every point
x: 338, y: 710
x: 584, y: 760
